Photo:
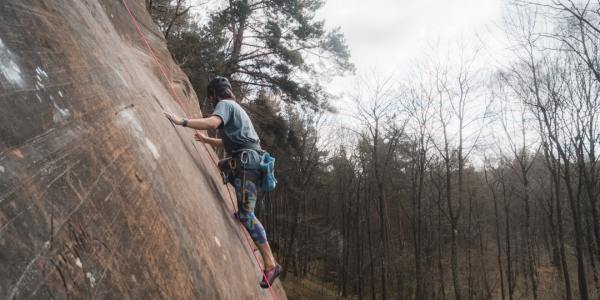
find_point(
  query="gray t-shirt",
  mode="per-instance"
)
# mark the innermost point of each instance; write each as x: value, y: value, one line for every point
x: 236, y: 130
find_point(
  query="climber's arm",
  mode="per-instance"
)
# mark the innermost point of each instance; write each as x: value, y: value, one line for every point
x: 211, y: 122
x: 208, y: 140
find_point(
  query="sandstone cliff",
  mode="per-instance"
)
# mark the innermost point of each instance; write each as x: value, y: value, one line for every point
x: 100, y: 196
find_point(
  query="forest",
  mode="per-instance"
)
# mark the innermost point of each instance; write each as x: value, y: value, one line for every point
x: 468, y: 179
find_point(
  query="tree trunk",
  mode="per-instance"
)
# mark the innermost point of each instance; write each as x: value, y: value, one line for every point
x: 238, y: 27
x: 498, y: 240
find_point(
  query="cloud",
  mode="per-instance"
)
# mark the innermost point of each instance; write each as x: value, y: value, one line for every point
x: 386, y: 33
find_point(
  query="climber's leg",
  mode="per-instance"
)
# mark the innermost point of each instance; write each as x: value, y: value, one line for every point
x: 246, y: 199
x: 265, y: 252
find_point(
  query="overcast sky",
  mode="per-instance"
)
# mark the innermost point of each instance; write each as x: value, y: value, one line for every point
x: 386, y: 35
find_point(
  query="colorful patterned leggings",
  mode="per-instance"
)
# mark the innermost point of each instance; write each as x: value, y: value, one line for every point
x: 246, y: 204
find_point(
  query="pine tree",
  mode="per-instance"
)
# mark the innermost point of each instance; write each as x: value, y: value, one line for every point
x: 281, y: 46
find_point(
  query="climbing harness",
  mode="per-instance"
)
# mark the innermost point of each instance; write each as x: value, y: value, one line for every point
x: 176, y: 97
x: 266, y: 167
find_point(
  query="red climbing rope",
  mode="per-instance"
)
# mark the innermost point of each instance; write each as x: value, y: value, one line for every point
x: 180, y: 103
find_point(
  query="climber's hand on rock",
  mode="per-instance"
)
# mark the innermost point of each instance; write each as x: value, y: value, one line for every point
x: 200, y: 137
x: 173, y: 118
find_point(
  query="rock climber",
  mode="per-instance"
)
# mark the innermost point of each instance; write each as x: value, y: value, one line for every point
x: 242, y: 144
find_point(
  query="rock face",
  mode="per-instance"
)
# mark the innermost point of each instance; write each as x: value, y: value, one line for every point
x: 100, y: 196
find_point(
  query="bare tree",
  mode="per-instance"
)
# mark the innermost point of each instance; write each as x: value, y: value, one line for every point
x: 377, y: 111
x: 419, y: 105
x: 455, y: 90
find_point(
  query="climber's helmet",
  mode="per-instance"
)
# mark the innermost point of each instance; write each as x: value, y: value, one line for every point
x: 219, y: 88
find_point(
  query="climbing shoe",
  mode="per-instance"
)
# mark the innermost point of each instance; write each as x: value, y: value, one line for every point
x: 271, y: 275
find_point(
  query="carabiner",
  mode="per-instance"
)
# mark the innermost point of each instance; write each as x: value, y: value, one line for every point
x: 242, y: 160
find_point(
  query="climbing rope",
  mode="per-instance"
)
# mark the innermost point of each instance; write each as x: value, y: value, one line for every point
x: 183, y: 107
